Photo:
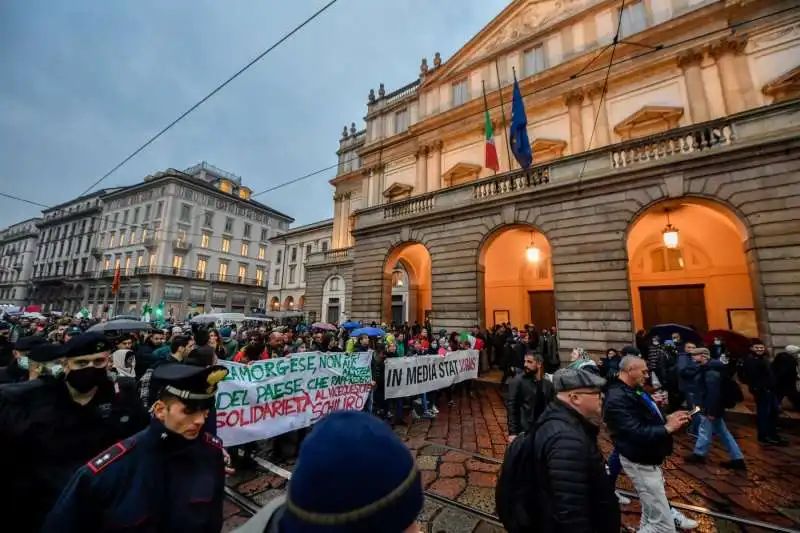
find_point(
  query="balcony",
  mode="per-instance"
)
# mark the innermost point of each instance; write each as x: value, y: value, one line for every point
x: 97, y: 252
x: 563, y: 175
x: 181, y: 245
x: 149, y: 242
x: 330, y: 257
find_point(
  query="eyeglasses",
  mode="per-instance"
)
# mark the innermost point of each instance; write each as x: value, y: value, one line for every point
x: 598, y: 393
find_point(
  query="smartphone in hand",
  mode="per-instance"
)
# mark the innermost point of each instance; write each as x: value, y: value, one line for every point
x: 695, y: 410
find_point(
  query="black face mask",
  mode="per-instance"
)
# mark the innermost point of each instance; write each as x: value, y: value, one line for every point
x: 86, y: 379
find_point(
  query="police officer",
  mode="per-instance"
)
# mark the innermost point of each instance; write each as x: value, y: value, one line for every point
x: 17, y: 369
x: 169, y: 477
x: 50, y: 427
x: 44, y: 361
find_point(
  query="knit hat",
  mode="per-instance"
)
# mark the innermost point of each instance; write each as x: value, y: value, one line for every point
x: 353, y: 475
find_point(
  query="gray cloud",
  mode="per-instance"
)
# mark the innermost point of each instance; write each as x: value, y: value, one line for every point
x: 85, y: 82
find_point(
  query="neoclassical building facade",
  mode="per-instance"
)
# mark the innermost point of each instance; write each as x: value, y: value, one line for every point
x: 665, y: 182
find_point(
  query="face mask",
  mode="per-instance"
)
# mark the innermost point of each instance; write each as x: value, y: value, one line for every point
x: 655, y: 342
x: 717, y: 343
x: 434, y: 346
x: 86, y: 379
x: 23, y: 362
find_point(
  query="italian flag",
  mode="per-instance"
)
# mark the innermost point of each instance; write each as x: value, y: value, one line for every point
x: 491, y: 159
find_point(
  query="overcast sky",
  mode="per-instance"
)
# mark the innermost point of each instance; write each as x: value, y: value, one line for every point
x: 85, y: 82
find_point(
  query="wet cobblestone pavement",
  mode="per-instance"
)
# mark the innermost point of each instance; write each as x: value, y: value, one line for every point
x: 458, y: 454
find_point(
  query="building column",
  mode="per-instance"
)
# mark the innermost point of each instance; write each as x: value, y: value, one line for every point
x: 698, y: 102
x: 602, y: 136
x: 337, y: 209
x: 574, y: 101
x: 435, y: 172
x: 344, y: 221
x: 733, y: 92
x: 365, y: 189
x: 421, y: 186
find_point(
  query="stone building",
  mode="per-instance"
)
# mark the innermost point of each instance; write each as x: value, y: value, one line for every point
x: 195, y: 240
x: 665, y: 183
x: 64, y: 262
x: 290, y: 252
x: 17, y: 252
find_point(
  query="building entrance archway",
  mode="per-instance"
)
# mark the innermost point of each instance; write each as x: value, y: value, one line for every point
x: 407, y: 291
x: 515, y: 278
x: 687, y: 265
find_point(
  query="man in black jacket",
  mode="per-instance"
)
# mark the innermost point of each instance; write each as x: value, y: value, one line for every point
x: 528, y: 396
x: 762, y: 385
x: 643, y: 438
x: 574, y: 491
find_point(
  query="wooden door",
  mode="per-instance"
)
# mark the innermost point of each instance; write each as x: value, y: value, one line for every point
x: 543, y: 309
x: 678, y: 304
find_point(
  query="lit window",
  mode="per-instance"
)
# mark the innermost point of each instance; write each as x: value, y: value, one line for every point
x: 259, y: 276
x: 127, y: 264
x: 177, y: 261
x: 262, y: 252
x: 111, y: 239
x: 152, y: 260
x: 202, y: 263
x: 242, y: 273
x: 106, y: 263
x: 139, y: 259
x: 245, y: 249
x: 204, y: 239
x: 223, y: 269
x: 226, y: 245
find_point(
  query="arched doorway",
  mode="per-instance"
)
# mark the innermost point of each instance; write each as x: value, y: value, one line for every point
x: 288, y: 303
x: 517, y: 278
x: 274, y: 304
x: 407, y: 284
x: 687, y: 265
x: 333, y: 293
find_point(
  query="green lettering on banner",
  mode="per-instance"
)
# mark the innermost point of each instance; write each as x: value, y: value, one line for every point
x: 330, y: 361
x: 318, y: 383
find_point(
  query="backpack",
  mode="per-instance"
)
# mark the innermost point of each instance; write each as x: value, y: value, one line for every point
x: 730, y: 392
x: 514, y: 495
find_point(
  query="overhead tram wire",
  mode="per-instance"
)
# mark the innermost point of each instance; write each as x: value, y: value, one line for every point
x: 535, y: 91
x: 221, y: 86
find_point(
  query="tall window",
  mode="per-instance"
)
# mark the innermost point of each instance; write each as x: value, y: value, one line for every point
x: 139, y: 259
x: 136, y: 215
x: 208, y: 220
x: 292, y: 272
x: 186, y: 212
x: 107, y: 262
x: 277, y: 279
x: 294, y: 254
x: 634, y: 18
x: 245, y: 249
x: 128, y: 264
x: 147, y: 211
x: 204, y: 240
x: 262, y: 252
x: 122, y: 237
x: 324, y: 246
x: 247, y: 229
x: 279, y: 257
x: 177, y: 261
x: 460, y: 93
x: 308, y: 251
x: 264, y: 234
x: 534, y: 59
x: 401, y: 121
x: 223, y: 269
x: 229, y: 225
x: 159, y: 209
x: 259, y: 276
x: 152, y: 260
x: 202, y: 264
x: 242, y: 273
x: 113, y: 224
x: 111, y: 239
x: 125, y: 217
x: 226, y: 245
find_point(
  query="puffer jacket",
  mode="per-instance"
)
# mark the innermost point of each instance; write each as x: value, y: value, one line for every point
x: 637, y: 432
x: 574, y: 491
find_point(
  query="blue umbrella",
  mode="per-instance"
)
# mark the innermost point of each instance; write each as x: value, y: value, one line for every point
x: 665, y: 331
x: 351, y: 325
x: 370, y: 332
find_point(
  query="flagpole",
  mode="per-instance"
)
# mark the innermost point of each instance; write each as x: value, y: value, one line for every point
x: 503, y: 113
x: 486, y: 109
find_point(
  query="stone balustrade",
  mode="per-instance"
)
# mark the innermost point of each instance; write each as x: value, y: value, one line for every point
x: 410, y: 206
x: 328, y: 257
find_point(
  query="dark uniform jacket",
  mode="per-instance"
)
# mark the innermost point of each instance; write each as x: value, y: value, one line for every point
x: 527, y: 400
x: 153, y: 482
x: 45, y: 437
x: 637, y: 431
x: 575, y: 493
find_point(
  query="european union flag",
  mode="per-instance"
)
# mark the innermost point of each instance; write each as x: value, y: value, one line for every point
x: 520, y: 145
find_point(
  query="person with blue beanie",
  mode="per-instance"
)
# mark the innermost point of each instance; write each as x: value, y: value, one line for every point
x: 353, y: 475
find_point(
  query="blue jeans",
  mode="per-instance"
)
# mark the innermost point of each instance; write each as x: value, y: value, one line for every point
x: 709, y: 428
x: 766, y: 415
x: 614, y: 466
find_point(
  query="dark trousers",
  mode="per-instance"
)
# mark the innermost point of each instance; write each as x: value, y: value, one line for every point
x: 766, y: 415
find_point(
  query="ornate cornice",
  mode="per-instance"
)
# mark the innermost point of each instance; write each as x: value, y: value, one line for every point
x: 690, y: 58
x: 727, y: 45
x: 573, y: 98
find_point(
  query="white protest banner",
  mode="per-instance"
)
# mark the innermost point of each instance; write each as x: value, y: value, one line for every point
x: 409, y: 376
x: 271, y: 397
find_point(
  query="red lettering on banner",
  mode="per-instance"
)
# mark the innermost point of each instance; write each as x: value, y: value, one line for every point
x: 244, y: 416
x: 467, y: 364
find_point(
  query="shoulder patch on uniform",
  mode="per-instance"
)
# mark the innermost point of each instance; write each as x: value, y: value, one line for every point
x: 109, y: 456
x: 212, y: 440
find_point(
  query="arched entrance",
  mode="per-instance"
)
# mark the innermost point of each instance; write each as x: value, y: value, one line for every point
x: 274, y: 304
x: 517, y: 279
x: 687, y: 265
x: 288, y: 303
x: 407, y: 284
x: 333, y: 299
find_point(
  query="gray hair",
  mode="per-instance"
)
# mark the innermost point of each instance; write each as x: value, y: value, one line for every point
x: 628, y: 361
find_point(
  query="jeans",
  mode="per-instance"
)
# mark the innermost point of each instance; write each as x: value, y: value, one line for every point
x: 766, y: 415
x: 614, y: 466
x: 709, y: 428
x: 648, y: 480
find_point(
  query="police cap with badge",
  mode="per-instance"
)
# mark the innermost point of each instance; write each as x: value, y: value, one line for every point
x: 46, y: 352
x: 87, y: 344
x: 195, y: 386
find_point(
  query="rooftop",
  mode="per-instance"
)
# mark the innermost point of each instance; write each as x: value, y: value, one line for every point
x: 304, y: 229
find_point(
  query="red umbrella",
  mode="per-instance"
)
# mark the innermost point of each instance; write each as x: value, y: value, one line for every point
x: 323, y: 326
x: 737, y: 344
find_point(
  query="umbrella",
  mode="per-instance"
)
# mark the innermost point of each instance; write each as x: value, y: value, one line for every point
x: 123, y: 317
x: 737, y: 345
x: 665, y: 331
x: 351, y: 324
x: 323, y: 325
x: 120, y: 326
x: 370, y: 332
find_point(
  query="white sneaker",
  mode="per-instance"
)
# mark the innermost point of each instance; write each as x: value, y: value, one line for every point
x: 434, y: 410
x: 623, y: 500
x: 682, y: 521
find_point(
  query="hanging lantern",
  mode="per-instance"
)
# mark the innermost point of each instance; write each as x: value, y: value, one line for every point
x: 532, y: 252
x: 670, y: 234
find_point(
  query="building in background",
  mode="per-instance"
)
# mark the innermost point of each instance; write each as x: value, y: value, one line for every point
x: 290, y: 253
x: 664, y: 187
x: 64, y: 261
x: 18, y: 245
x: 195, y: 240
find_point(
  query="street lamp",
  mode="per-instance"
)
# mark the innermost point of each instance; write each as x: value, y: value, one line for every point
x: 670, y: 233
x: 532, y: 252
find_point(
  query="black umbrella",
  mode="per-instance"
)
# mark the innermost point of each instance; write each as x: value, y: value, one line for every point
x: 122, y: 325
x: 665, y: 331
